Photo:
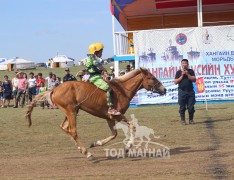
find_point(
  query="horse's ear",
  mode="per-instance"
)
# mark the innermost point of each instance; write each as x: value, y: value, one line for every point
x: 144, y: 70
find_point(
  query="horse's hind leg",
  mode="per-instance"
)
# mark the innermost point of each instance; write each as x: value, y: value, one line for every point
x: 71, y: 118
x: 65, y: 125
x: 111, y: 124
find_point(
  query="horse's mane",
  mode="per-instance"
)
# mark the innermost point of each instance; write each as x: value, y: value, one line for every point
x: 128, y: 76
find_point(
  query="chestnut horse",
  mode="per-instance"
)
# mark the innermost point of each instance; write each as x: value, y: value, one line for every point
x: 74, y: 95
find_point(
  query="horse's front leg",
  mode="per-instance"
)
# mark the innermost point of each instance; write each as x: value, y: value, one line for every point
x: 111, y: 124
x: 132, y: 130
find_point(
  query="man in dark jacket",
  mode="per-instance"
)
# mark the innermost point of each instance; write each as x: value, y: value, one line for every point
x: 68, y: 76
x: 186, y: 95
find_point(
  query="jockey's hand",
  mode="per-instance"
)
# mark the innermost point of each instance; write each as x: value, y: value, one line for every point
x: 101, y: 68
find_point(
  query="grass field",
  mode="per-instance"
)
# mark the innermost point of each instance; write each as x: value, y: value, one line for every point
x: 201, y: 151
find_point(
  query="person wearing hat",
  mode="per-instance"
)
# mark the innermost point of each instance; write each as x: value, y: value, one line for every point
x: 68, y: 76
x: 95, y: 70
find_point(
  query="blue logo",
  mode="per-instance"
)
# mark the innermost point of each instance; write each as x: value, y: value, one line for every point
x: 181, y: 39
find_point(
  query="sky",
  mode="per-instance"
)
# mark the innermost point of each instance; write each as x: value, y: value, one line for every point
x: 40, y: 29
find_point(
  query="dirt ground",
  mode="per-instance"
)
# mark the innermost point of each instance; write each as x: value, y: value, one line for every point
x: 201, y: 151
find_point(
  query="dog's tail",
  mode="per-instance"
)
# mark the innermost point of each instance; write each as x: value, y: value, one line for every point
x: 38, y: 98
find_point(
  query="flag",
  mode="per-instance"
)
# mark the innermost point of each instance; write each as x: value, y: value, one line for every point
x: 200, y: 85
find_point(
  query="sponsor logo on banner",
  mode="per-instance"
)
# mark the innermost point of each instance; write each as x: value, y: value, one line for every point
x: 206, y: 37
x: 181, y: 39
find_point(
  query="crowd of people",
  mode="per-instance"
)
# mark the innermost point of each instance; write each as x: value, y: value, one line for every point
x: 22, y: 88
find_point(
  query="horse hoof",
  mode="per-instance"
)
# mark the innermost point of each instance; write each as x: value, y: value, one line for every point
x: 126, y: 150
x: 92, y: 145
x: 92, y: 158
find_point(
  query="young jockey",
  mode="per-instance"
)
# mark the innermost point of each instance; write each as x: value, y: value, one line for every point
x: 95, y: 70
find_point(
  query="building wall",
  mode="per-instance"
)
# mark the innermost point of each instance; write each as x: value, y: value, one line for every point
x: 178, y: 21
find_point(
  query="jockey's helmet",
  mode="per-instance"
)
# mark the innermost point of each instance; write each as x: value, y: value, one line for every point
x: 95, y: 47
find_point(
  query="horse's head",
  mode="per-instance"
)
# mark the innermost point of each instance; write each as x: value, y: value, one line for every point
x: 151, y: 83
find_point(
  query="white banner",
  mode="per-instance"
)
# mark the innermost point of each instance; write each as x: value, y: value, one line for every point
x: 210, y: 51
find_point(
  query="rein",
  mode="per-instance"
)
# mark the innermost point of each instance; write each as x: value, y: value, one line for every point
x: 143, y: 77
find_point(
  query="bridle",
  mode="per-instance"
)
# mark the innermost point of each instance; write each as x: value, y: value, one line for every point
x: 155, y: 86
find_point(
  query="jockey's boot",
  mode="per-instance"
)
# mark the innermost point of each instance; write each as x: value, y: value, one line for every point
x: 111, y: 110
x: 182, y: 116
x: 191, y: 118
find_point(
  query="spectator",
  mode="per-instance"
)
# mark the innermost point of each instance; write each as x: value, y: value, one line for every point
x: 128, y: 69
x: 41, y: 90
x: 54, y: 82
x: 36, y: 77
x: 32, y: 89
x: 105, y: 75
x: 80, y: 74
x: 86, y: 76
x: 68, y: 76
x: 59, y: 80
x: 112, y: 72
x: 121, y: 73
x: 132, y: 66
x: 26, y: 93
x: 22, y: 86
x: 1, y: 94
x: 49, y: 81
x: 7, y: 91
x: 39, y: 80
x: 14, y: 83
x: 186, y: 95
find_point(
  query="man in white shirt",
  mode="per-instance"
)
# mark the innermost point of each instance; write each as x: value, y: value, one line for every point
x: 49, y: 81
x: 14, y: 83
x: 31, y: 86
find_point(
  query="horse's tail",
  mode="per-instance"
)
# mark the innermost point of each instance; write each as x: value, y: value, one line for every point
x: 44, y: 96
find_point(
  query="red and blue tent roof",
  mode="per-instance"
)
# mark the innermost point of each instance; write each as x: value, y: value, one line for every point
x: 127, y: 9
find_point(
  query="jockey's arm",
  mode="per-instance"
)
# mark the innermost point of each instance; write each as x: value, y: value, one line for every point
x: 94, y: 65
x: 89, y: 62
